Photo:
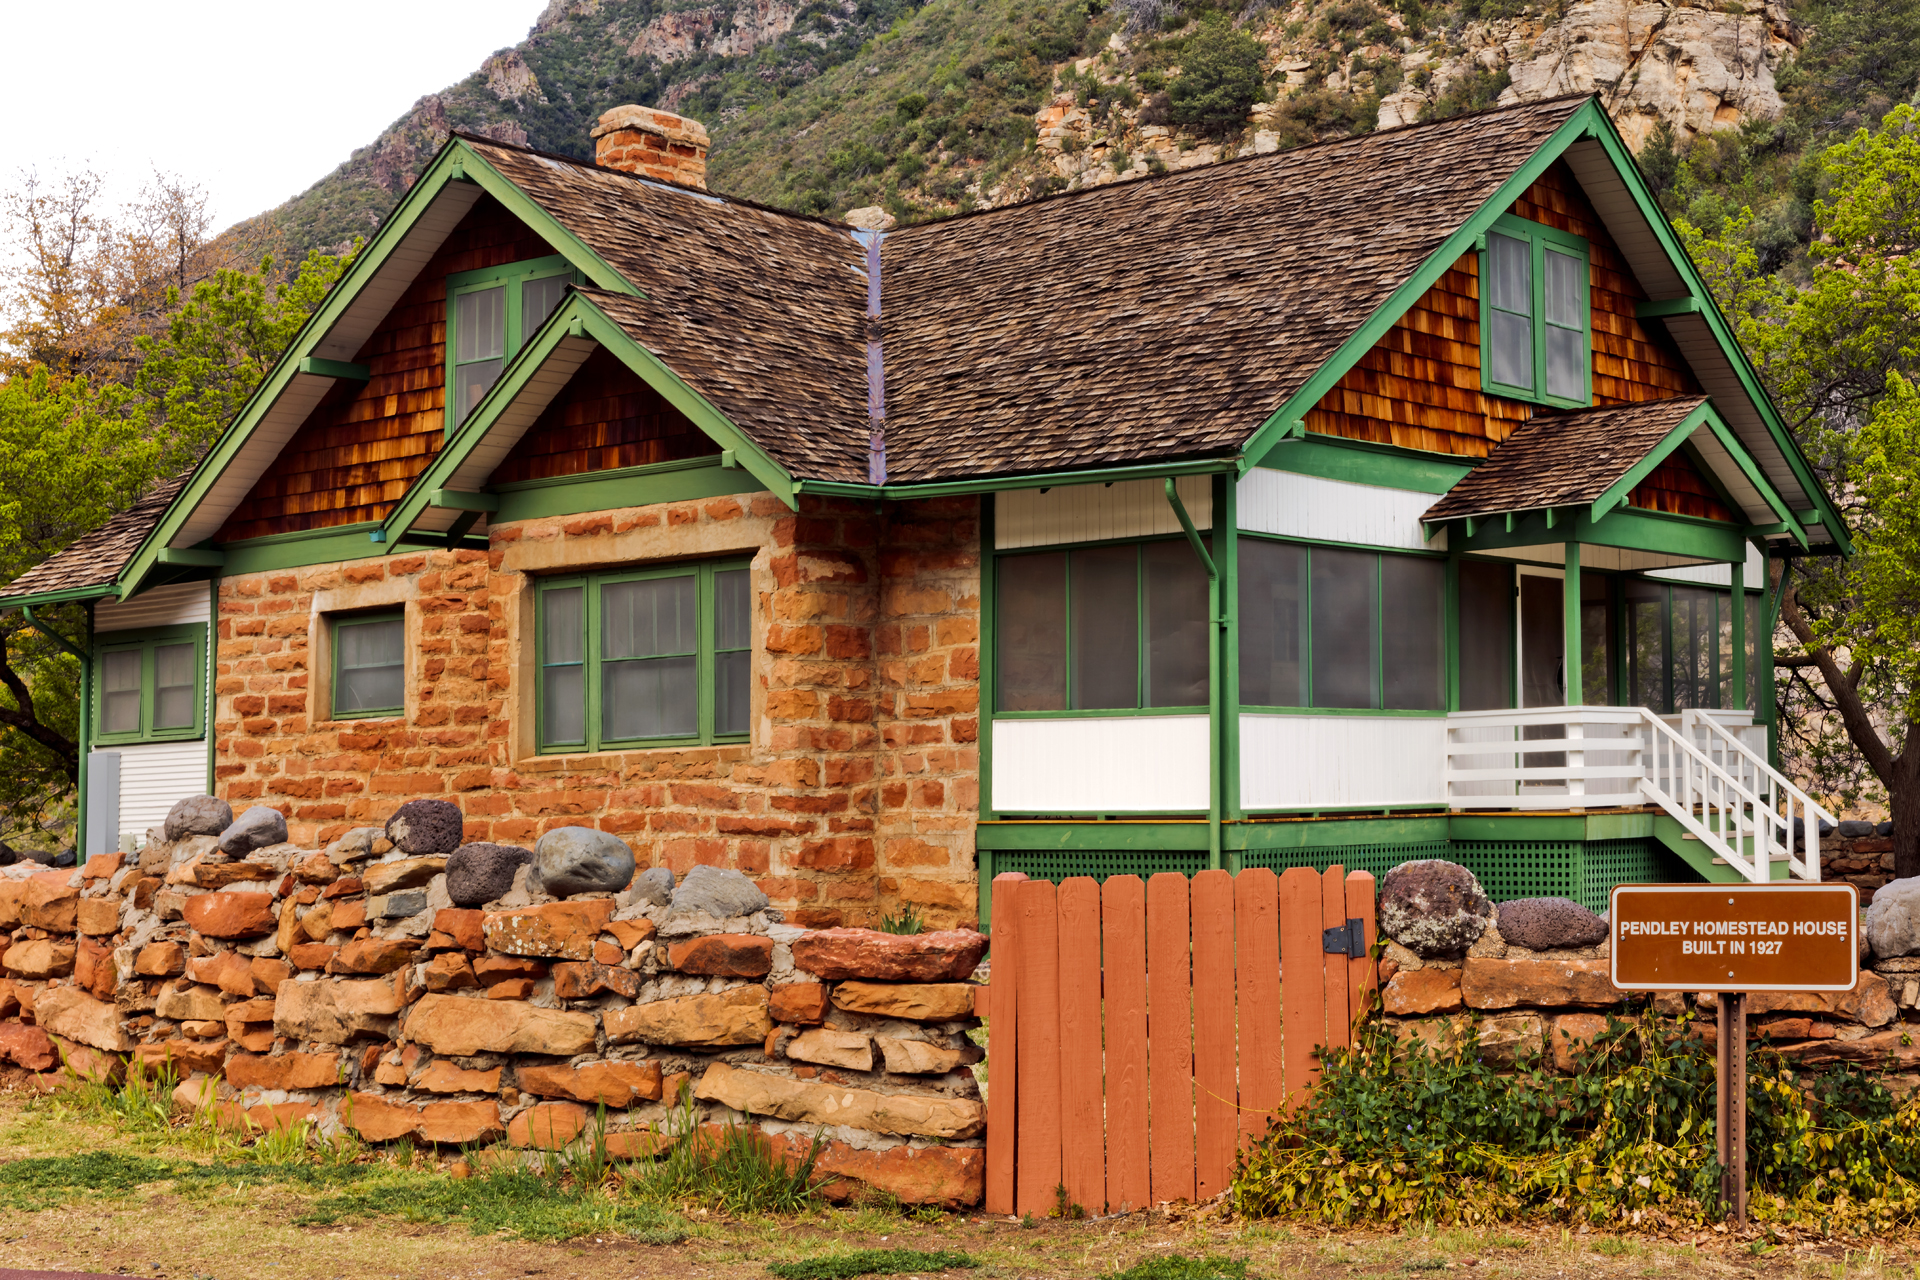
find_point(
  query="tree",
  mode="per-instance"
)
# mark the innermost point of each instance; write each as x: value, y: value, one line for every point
x: 1219, y: 78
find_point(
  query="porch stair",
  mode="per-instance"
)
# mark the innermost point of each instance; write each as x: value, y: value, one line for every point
x: 1707, y: 864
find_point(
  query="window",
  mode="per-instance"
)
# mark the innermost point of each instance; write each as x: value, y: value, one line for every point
x: 1680, y: 647
x: 152, y: 685
x: 490, y: 313
x: 369, y: 666
x: 1107, y: 628
x: 656, y: 657
x: 1340, y: 628
x: 1535, y: 314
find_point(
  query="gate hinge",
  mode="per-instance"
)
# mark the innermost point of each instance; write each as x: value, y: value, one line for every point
x: 1349, y: 939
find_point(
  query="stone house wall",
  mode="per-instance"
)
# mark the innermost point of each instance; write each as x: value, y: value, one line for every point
x: 856, y: 795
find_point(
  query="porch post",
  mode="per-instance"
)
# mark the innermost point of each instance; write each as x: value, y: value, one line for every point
x: 1738, y: 700
x: 1570, y: 608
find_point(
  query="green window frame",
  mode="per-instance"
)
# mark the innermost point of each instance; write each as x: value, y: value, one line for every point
x: 1536, y: 299
x: 346, y: 662
x: 1677, y: 646
x: 1383, y: 592
x: 142, y: 684
x: 620, y: 664
x: 489, y: 320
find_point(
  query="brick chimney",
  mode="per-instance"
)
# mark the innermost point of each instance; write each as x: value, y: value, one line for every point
x: 652, y: 144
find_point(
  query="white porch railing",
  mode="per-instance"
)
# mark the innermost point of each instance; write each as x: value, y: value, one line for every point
x: 1695, y: 766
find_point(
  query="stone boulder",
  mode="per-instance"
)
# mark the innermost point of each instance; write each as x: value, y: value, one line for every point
x: 359, y: 843
x: 198, y: 816
x: 1853, y: 829
x: 1433, y: 908
x: 402, y: 873
x: 716, y: 892
x: 70, y: 1012
x: 654, y: 886
x: 422, y: 827
x: 257, y: 828
x: 950, y: 955
x: 481, y: 872
x: 1893, y: 919
x: 1544, y: 924
x: 571, y: 860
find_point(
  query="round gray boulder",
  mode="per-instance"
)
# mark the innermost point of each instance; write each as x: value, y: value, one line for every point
x: 257, y: 828
x: 198, y: 816
x: 1853, y: 829
x: 1543, y: 924
x: 478, y: 873
x: 720, y: 893
x: 570, y: 860
x: 654, y: 887
x: 1433, y: 908
x: 1893, y: 919
x: 425, y: 827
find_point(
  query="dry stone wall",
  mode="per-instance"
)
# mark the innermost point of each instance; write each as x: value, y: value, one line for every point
x: 342, y: 986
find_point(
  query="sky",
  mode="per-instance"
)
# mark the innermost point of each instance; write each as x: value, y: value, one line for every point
x: 253, y: 102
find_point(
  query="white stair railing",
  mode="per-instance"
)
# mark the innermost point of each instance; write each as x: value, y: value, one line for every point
x: 1704, y: 798
x: 1789, y: 819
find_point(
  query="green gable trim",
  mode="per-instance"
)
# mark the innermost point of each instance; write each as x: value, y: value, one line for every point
x: 1628, y: 528
x: 1358, y: 462
x: 1003, y: 484
x: 622, y: 487
x: 457, y: 162
x: 336, y: 369
x: 65, y: 595
x: 300, y: 549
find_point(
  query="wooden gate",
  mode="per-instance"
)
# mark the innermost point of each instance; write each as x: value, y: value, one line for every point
x: 1139, y: 1033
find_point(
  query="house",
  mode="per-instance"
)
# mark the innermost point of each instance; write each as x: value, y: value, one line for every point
x: 1253, y: 515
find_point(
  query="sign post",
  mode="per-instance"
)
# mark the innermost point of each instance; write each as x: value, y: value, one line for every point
x: 1732, y: 940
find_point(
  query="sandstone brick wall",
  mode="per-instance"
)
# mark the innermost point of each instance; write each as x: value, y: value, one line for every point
x: 288, y: 987
x: 856, y: 795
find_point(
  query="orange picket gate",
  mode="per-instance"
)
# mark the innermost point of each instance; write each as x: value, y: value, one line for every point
x: 1139, y: 1033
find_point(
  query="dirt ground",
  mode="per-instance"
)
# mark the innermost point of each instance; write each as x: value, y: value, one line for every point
x: 244, y: 1233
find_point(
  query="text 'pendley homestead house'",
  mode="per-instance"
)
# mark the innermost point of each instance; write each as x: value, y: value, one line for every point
x: 1397, y: 497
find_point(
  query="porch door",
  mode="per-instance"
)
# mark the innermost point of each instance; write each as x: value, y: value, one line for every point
x: 1541, y: 645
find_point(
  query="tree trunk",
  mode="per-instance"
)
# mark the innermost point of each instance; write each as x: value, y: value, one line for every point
x: 1903, y: 797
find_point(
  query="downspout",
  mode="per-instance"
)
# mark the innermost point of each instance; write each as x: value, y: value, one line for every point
x: 83, y: 725
x: 1216, y: 623
x: 876, y: 365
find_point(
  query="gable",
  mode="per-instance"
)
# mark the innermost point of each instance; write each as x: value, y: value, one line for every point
x: 364, y: 443
x: 1678, y: 487
x: 605, y: 417
x: 1419, y: 386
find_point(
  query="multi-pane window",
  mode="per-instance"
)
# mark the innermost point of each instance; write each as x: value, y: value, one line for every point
x: 1535, y: 314
x: 151, y: 685
x: 1340, y: 628
x: 1679, y: 646
x: 490, y: 314
x: 656, y: 656
x: 369, y: 666
x: 1105, y: 628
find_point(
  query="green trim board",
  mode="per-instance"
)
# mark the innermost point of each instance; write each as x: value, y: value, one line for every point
x: 1361, y: 462
x: 342, y: 369
x: 456, y: 162
x: 621, y: 487
x: 342, y: 542
x: 1539, y: 241
x: 1627, y: 528
x: 65, y: 595
x: 340, y: 628
x: 1031, y: 480
x: 143, y: 649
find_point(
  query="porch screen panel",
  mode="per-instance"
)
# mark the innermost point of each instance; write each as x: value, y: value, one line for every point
x: 1413, y: 663
x: 1693, y: 644
x: 1031, y: 651
x: 1646, y: 632
x: 1345, y: 603
x: 1756, y: 686
x: 1104, y: 592
x: 1273, y: 622
x: 1176, y: 612
x: 1486, y: 636
x: 563, y: 671
x: 1596, y: 645
x: 649, y: 641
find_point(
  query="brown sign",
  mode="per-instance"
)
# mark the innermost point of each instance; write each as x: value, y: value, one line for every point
x: 1749, y: 937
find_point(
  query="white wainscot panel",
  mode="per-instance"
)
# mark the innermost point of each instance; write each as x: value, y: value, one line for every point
x: 1718, y: 575
x: 161, y: 607
x: 1296, y: 506
x: 1092, y: 512
x: 1326, y: 762
x: 1133, y: 764
x: 156, y: 775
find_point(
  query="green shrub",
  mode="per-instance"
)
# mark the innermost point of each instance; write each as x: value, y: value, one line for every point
x: 1475, y: 91
x: 1219, y: 80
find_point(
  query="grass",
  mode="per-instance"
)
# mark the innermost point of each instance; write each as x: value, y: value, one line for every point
x: 1178, y: 1266
x: 872, y: 1262
x: 516, y: 1201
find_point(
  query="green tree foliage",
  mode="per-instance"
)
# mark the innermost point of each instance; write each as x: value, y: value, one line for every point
x: 1219, y: 78
x: 1863, y: 58
x: 1474, y: 91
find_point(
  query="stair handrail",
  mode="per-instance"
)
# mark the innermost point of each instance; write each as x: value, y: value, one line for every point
x: 1757, y: 868
x: 1813, y: 813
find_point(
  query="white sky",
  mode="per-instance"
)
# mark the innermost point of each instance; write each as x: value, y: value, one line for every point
x: 252, y: 101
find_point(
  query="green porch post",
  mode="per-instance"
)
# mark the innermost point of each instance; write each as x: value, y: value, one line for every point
x: 1738, y: 700
x: 1571, y: 609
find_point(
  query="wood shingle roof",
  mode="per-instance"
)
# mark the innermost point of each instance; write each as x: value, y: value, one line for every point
x: 95, y: 559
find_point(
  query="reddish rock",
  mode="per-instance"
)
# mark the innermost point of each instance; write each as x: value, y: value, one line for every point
x: 1422, y: 991
x: 268, y: 974
x: 48, y: 902
x: 576, y: 981
x: 344, y: 887
x: 723, y: 955
x: 1895, y: 1049
x: 405, y: 873
x: 9, y: 999
x: 97, y: 917
x: 442, y: 1076
x: 617, y: 1084
x: 918, y: 1001
x: 218, y: 875
x: 460, y: 1123
x: 161, y: 960
x: 733, y: 1017
x: 511, y: 989
x: 316, y: 869
x: 607, y: 951
x: 284, y: 1070
x: 949, y: 955
x: 83, y: 1062
x: 564, y: 930
x: 183, y: 1056
x: 374, y: 955
x: 631, y: 933
x: 460, y: 1026
x: 378, y: 1120
x: 311, y: 955
x: 492, y: 969
x: 449, y: 971
x: 101, y: 866
x: 1508, y: 984
x: 1568, y: 1033
x: 27, y: 1047
x: 72, y: 1013
x: 1793, y: 1029
x: 230, y: 915
x: 547, y: 1126
x: 345, y: 917
x: 39, y: 958
x: 335, y: 1012
x: 228, y: 970
x: 950, y: 1177
x: 93, y: 968
x: 800, y: 1002
x: 462, y: 926
x: 1870, y: 1003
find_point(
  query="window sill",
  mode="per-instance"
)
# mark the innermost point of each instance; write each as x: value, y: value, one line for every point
x: 146, y: 740
x: 561, y: 762
x: 371, y: 717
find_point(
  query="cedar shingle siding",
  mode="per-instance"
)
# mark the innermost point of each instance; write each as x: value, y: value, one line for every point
x: 604, y: 418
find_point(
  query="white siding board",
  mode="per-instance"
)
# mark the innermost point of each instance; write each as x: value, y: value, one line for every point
x: 1325, y: 762
x: 1094, y: 512
x: 1718, y: 575
x: 1126, y: 764
x: 159, y: 607
x: 154, y: 776
x: 1289, y: 505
